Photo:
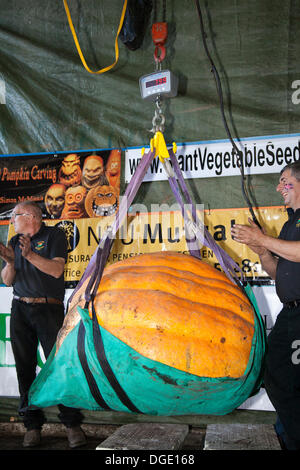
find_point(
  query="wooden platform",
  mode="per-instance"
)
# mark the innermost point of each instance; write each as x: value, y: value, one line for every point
x: 153, y: 436
x: 241, y: 437
x: 150, y: 436
x: 146, y: 436
x: 241, y: 429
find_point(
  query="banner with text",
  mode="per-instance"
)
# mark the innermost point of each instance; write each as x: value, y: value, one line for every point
x: 163, y: 231
x: 65, y: 184
x: 209, y: 159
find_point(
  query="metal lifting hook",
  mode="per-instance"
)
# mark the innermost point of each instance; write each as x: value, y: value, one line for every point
x: 158, y: 121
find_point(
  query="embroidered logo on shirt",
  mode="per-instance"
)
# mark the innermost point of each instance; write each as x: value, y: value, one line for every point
x: 40, y: 245
x: 298, y: 223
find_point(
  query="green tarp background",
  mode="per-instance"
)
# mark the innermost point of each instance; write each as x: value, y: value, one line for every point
x: 51, y: 103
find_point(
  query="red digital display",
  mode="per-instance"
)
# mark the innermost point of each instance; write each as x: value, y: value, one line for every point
x: 158, y: 81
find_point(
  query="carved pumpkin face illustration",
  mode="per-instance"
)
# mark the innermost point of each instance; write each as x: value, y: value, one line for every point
x: 113, y: 168
x: 93, y: 170
x: 102, y: 201
x: 70, y: 171
x: 74, y: 203
x: 55, y: 200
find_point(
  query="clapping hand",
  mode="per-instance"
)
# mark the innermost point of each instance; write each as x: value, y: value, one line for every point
x: 7, y: 253
x: 25, y: 245
x: 249, y: 235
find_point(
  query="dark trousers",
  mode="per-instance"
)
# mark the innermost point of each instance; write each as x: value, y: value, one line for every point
x: 29, y: 325
x: 282, y: 374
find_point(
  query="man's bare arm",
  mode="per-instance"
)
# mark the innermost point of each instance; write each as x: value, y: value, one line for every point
x: 54, y: 267
x: 8, y: 273
x: 269, y: 263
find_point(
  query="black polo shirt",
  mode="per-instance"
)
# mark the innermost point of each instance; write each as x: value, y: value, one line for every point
x: 288, y: 272
x: 49, y: 242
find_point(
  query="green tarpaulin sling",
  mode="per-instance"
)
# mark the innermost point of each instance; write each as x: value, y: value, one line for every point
x: 95, y: 370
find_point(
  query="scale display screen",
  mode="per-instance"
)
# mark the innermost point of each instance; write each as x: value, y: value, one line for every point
x: 163, y: 83
x: 156, y: 82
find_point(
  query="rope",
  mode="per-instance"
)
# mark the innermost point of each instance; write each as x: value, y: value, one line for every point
x: 109, y: 67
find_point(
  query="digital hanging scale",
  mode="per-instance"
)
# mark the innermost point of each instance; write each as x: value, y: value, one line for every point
x: 163, y: 83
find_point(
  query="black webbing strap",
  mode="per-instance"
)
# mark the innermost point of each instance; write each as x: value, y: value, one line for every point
x: 93, y: 284
x: 100, y: 352
x: 91, y: 292
x: 95, y: 268
x: 87, y: 372
x: 104, y: 364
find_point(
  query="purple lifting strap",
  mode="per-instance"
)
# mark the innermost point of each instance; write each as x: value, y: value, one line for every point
x: 229, y: 266
x: 202, y: 236
x: 103, y: 249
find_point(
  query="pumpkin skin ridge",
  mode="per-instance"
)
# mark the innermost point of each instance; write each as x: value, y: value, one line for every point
x: 160, y: 315
x: 183, y: 338
x: 178, y: 344
x: 184, y: 288
x: 180, y: 274
x: 246, y: 314
x: 165, y: 257
x: 217, y: 312
x: 123, y: 332
x: 169, y: 259
x: 228, y: 363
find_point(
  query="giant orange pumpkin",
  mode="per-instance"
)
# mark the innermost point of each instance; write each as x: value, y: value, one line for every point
x: 178, y: 310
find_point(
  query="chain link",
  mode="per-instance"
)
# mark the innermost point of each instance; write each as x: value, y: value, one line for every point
x: 158, y: 121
